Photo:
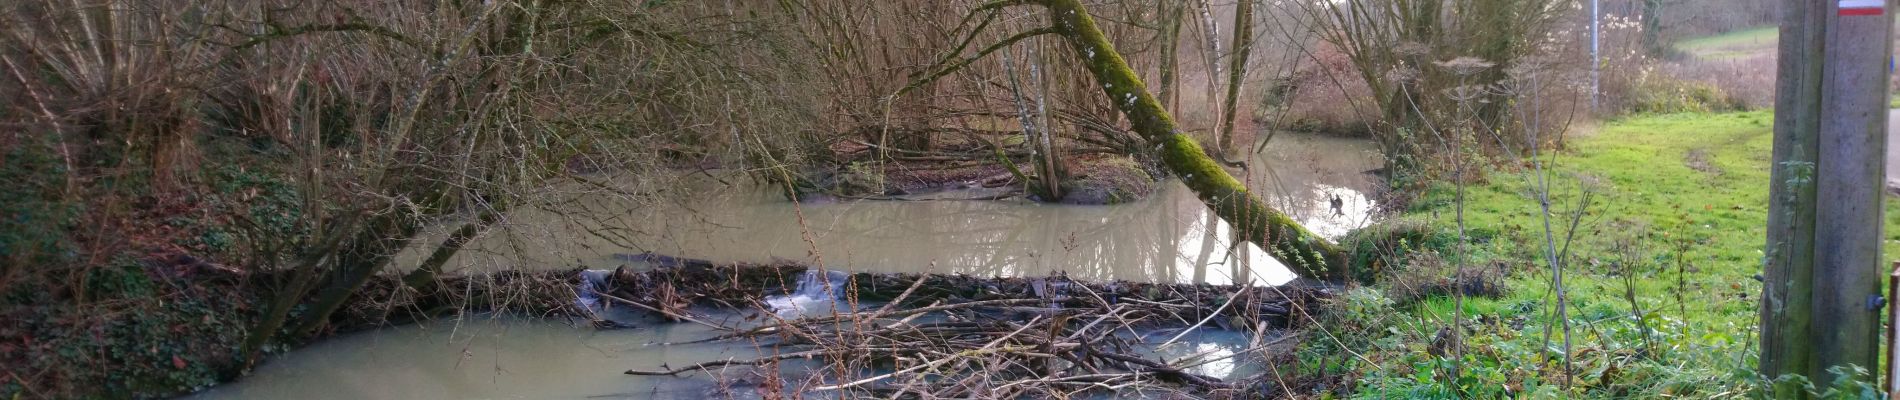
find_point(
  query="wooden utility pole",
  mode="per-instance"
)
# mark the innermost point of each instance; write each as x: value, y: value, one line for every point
x: 1852, y: 180
x: 1893, y: 335
x: 1821, y: 292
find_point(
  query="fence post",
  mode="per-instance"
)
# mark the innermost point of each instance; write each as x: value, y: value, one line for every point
x: 1893, y: 334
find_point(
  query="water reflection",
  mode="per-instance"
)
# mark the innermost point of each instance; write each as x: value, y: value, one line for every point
x: 1207, y: 351
x: 486, y: 357
x: 491, y: 357
x: 1170, y: 237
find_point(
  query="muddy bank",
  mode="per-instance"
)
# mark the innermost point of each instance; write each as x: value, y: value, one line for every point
x: 1087, y: 179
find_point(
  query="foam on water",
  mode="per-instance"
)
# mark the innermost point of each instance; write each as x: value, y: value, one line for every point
x: 814, y: 294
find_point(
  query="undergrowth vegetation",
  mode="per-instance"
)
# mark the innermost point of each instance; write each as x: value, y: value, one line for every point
x: 1660, y: 268
x: 192, y: 184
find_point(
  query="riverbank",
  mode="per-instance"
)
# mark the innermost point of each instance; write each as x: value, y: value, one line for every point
x: 1660, y: 270
x: 193, y: 345
x: 176, y: 304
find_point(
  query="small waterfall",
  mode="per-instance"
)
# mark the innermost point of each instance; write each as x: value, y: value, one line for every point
x: 587, y: 295
x: 596, y: 283
x: 813, y: 293
x: 810, y: 284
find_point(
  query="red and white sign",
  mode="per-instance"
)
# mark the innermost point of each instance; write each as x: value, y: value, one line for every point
x: 1863, y: 7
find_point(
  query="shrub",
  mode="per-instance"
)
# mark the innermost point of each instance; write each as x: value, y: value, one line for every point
x: 1324, y: 97
x: 1113, y: 180
x: 1385, y: 246
x: 1749, y: 81
x: 1664, y: 96
x: 861, y: 178
x: 1425, y: 274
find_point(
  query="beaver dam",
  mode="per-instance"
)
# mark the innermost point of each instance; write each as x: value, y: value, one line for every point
x: 915, y: 299
x: 694, y: 328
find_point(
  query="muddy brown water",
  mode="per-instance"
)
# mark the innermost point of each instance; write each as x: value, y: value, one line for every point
x: 485, y: 357
x: 499, y: 357
x: 1170, y: 237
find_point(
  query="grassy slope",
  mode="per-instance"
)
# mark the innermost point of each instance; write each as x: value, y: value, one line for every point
x: 1649, y: 194
x: 1742, y: 44
x: 1733, y: 44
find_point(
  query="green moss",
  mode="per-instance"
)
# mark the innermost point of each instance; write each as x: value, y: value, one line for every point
x: 1375, y: 249
x: 1114, y: 180
x: 861, y: 178
x: 1304, y: 252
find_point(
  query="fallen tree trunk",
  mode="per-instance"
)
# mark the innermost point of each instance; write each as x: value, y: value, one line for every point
x: 1304, y: 252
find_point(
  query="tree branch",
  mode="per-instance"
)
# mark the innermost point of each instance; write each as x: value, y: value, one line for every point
x: 946, y: 70
x: 280, y: 33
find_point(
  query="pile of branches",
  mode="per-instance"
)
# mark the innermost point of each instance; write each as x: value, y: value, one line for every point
x: 924, y: 336
x: 937, y: 336
x: 668, y: 290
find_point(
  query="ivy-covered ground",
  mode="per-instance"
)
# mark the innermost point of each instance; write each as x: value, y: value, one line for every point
x: 1661, y: 273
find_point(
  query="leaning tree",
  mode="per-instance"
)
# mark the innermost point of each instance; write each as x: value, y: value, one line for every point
x: 1301, y: 250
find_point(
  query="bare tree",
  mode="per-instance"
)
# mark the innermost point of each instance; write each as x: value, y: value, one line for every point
x: 1237, y: 73
x: 1391, y: 42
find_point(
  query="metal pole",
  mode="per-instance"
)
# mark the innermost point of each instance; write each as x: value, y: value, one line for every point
x: 1596, y: 55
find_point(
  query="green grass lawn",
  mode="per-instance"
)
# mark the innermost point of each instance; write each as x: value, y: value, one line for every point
x: 1679, y: 206
x: 1735, y: 44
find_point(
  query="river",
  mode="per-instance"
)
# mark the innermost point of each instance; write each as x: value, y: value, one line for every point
x: 1169, y: 237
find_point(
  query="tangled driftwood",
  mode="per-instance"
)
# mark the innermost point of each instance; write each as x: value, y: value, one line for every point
x: 905, y: 335
x: 943, y: 336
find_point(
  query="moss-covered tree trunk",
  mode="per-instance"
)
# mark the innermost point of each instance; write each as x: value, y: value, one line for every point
x: 1306, y: 253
